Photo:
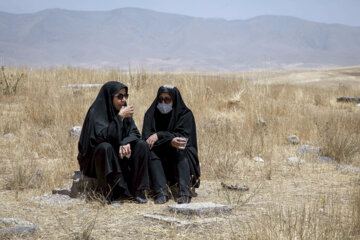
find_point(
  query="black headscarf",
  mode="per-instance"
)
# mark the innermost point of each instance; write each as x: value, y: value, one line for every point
x: 103, y: 124
x: 181, y: 124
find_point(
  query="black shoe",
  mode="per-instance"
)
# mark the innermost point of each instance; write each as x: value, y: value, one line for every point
x: 183, y: 199
x: 140, y: 197
x: 161, y: 199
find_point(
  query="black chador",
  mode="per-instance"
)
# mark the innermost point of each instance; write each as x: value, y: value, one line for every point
x: 168, y: 164
x: 103, y: 132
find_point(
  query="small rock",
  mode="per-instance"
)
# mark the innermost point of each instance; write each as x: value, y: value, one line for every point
x: 200, y: 208
x: 42, y: 133
x: 20, y: 146
x: 9, y: 135
x: 61, y: 191
x: 358, y: 105
x: 309, y: 150
x: 235, y: 187
x: 75, y: 132
x: 349, y: 168
x: 293, y: 139
x: 82, y: 185
x: 204, y: 193
x: 258, y: 159
x: 17, y: 227
x: 295, y: 160
x: 77, y: 175
x: 262, y: 122
x: 324, y: 159
x: 116, y: 204
x: 35, y: 155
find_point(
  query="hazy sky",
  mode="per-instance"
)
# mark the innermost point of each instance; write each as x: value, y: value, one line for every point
x: 327, y: 11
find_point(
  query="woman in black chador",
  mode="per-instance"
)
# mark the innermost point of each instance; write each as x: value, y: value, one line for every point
x: 170, y: 131
x: 110, y: 148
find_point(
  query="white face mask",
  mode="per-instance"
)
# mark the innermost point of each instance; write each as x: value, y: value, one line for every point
x: 164, y: 108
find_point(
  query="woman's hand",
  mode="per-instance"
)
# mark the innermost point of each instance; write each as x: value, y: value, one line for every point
x: 151, y: 140
x: 178, y: 142
x: 126, y: 112
x: 124, y: 150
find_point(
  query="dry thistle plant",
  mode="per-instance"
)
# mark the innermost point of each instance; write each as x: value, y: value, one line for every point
x: 9, y: 83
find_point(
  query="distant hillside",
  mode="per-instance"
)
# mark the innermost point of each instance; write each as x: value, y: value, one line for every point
x: 160, y: 41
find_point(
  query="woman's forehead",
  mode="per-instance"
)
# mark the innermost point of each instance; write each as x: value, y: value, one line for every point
x: 165, y: 94
x: 123, y: 91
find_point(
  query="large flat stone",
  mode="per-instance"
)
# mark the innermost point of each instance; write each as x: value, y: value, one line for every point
x: 295, y: 160
x: 16, y: 226
x: 324, y: 159
x: 167, y: 219
x: 56, y: 200
x: 180, y: 222
x: 309, y: 150
x: 19, y: 230
x: 201, y: 208
x: 349, y: 168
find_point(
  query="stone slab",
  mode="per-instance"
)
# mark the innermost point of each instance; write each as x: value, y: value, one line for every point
x: 295, y: 160
x: 9, y: 135
x: 324, y: 159
x: 18, y: 230
x: 200, y: 208
x: 16, y: 226
x: 309, y: 150
x: 349, y: 168
x: 167, y: 219
x: 180, y: 222
x: 56, y: 200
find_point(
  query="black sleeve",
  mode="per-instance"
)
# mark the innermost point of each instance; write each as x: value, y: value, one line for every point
x: 164, y: 137
x: 133, y: 135
x: 146, y: 130
x: 111, y: 133
x: 183, y: 128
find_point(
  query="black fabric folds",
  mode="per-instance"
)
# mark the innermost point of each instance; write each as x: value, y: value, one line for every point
x: 102, y: 124
x: 179, y: 122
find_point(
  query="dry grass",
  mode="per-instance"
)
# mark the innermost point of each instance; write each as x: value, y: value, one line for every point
x: 286, y: 201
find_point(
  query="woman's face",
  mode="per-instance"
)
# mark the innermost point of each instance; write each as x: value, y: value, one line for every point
x: 119, y: 99
x: 165, y: 98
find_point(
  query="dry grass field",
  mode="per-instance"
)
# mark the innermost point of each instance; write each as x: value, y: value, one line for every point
x: 305, y: 200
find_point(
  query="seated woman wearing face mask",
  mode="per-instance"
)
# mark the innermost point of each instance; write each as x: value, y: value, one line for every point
x: 169, y: 130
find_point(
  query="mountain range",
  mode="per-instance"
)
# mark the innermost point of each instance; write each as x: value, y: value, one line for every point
x: 170, y: 42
